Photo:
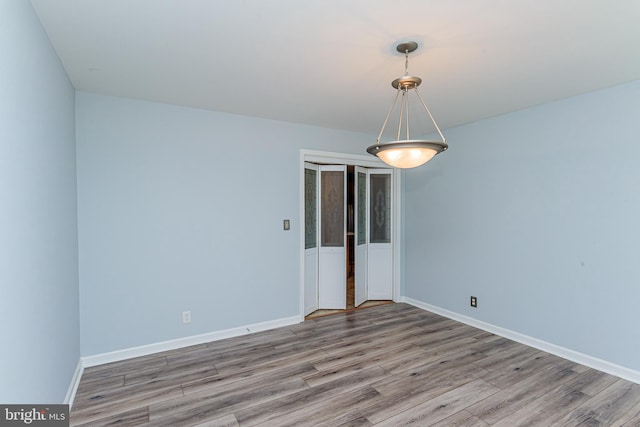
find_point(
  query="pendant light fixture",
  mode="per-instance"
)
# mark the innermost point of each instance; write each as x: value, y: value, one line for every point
x: 407, y: 153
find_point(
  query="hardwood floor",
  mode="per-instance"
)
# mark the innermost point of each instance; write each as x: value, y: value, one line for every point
x: 388, y: 365
x: 366, y: 304
x: 350, y: 301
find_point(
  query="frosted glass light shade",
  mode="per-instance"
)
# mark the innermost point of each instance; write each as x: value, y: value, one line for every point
x: 406, y: 157
x: 407, y: 154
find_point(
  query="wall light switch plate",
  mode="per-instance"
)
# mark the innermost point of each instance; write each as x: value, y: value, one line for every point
x: 186, y: 317
x: 286, y: 224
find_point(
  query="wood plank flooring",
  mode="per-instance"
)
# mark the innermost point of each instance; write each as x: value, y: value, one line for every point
x: 329, y: 312
x: 388, y: 365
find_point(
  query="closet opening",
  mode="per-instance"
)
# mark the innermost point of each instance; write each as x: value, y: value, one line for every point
x: 352, y: 205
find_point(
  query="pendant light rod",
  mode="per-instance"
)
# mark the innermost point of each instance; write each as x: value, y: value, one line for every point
x: 403, y: 103
x: 406, y: 48
x: 384, y: 125
x: 431, y: 117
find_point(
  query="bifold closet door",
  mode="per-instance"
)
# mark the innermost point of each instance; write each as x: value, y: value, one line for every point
x: 380, y: 250
x: 360, y: 238
x: 332, y: 254
x: 311, y: 195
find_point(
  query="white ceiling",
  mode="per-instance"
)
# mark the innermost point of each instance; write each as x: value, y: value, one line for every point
x: 330, y: 62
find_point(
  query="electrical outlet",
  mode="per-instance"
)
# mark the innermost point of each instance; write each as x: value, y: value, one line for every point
x: 286, y: 224
x: 474, y: 302
x: 186, y: 317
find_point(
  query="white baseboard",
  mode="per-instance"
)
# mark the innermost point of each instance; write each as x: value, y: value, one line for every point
x: 128, y: 353
x: 574, y: 356
x: 75, y: 381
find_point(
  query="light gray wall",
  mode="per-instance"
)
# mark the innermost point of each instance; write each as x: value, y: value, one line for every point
x: 536, y: 213
x: 181, y: 209
x: 38, y: 229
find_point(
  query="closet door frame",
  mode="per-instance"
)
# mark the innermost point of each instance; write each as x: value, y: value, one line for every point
x: 325, y: 157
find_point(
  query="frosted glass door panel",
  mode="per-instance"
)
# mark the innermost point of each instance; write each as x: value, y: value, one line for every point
x: 380, y: 208
x: 333, y: 205
x: 310, y: 208
x: 361, y: 205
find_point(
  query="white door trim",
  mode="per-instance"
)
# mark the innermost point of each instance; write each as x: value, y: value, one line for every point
x: 326, y: 157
